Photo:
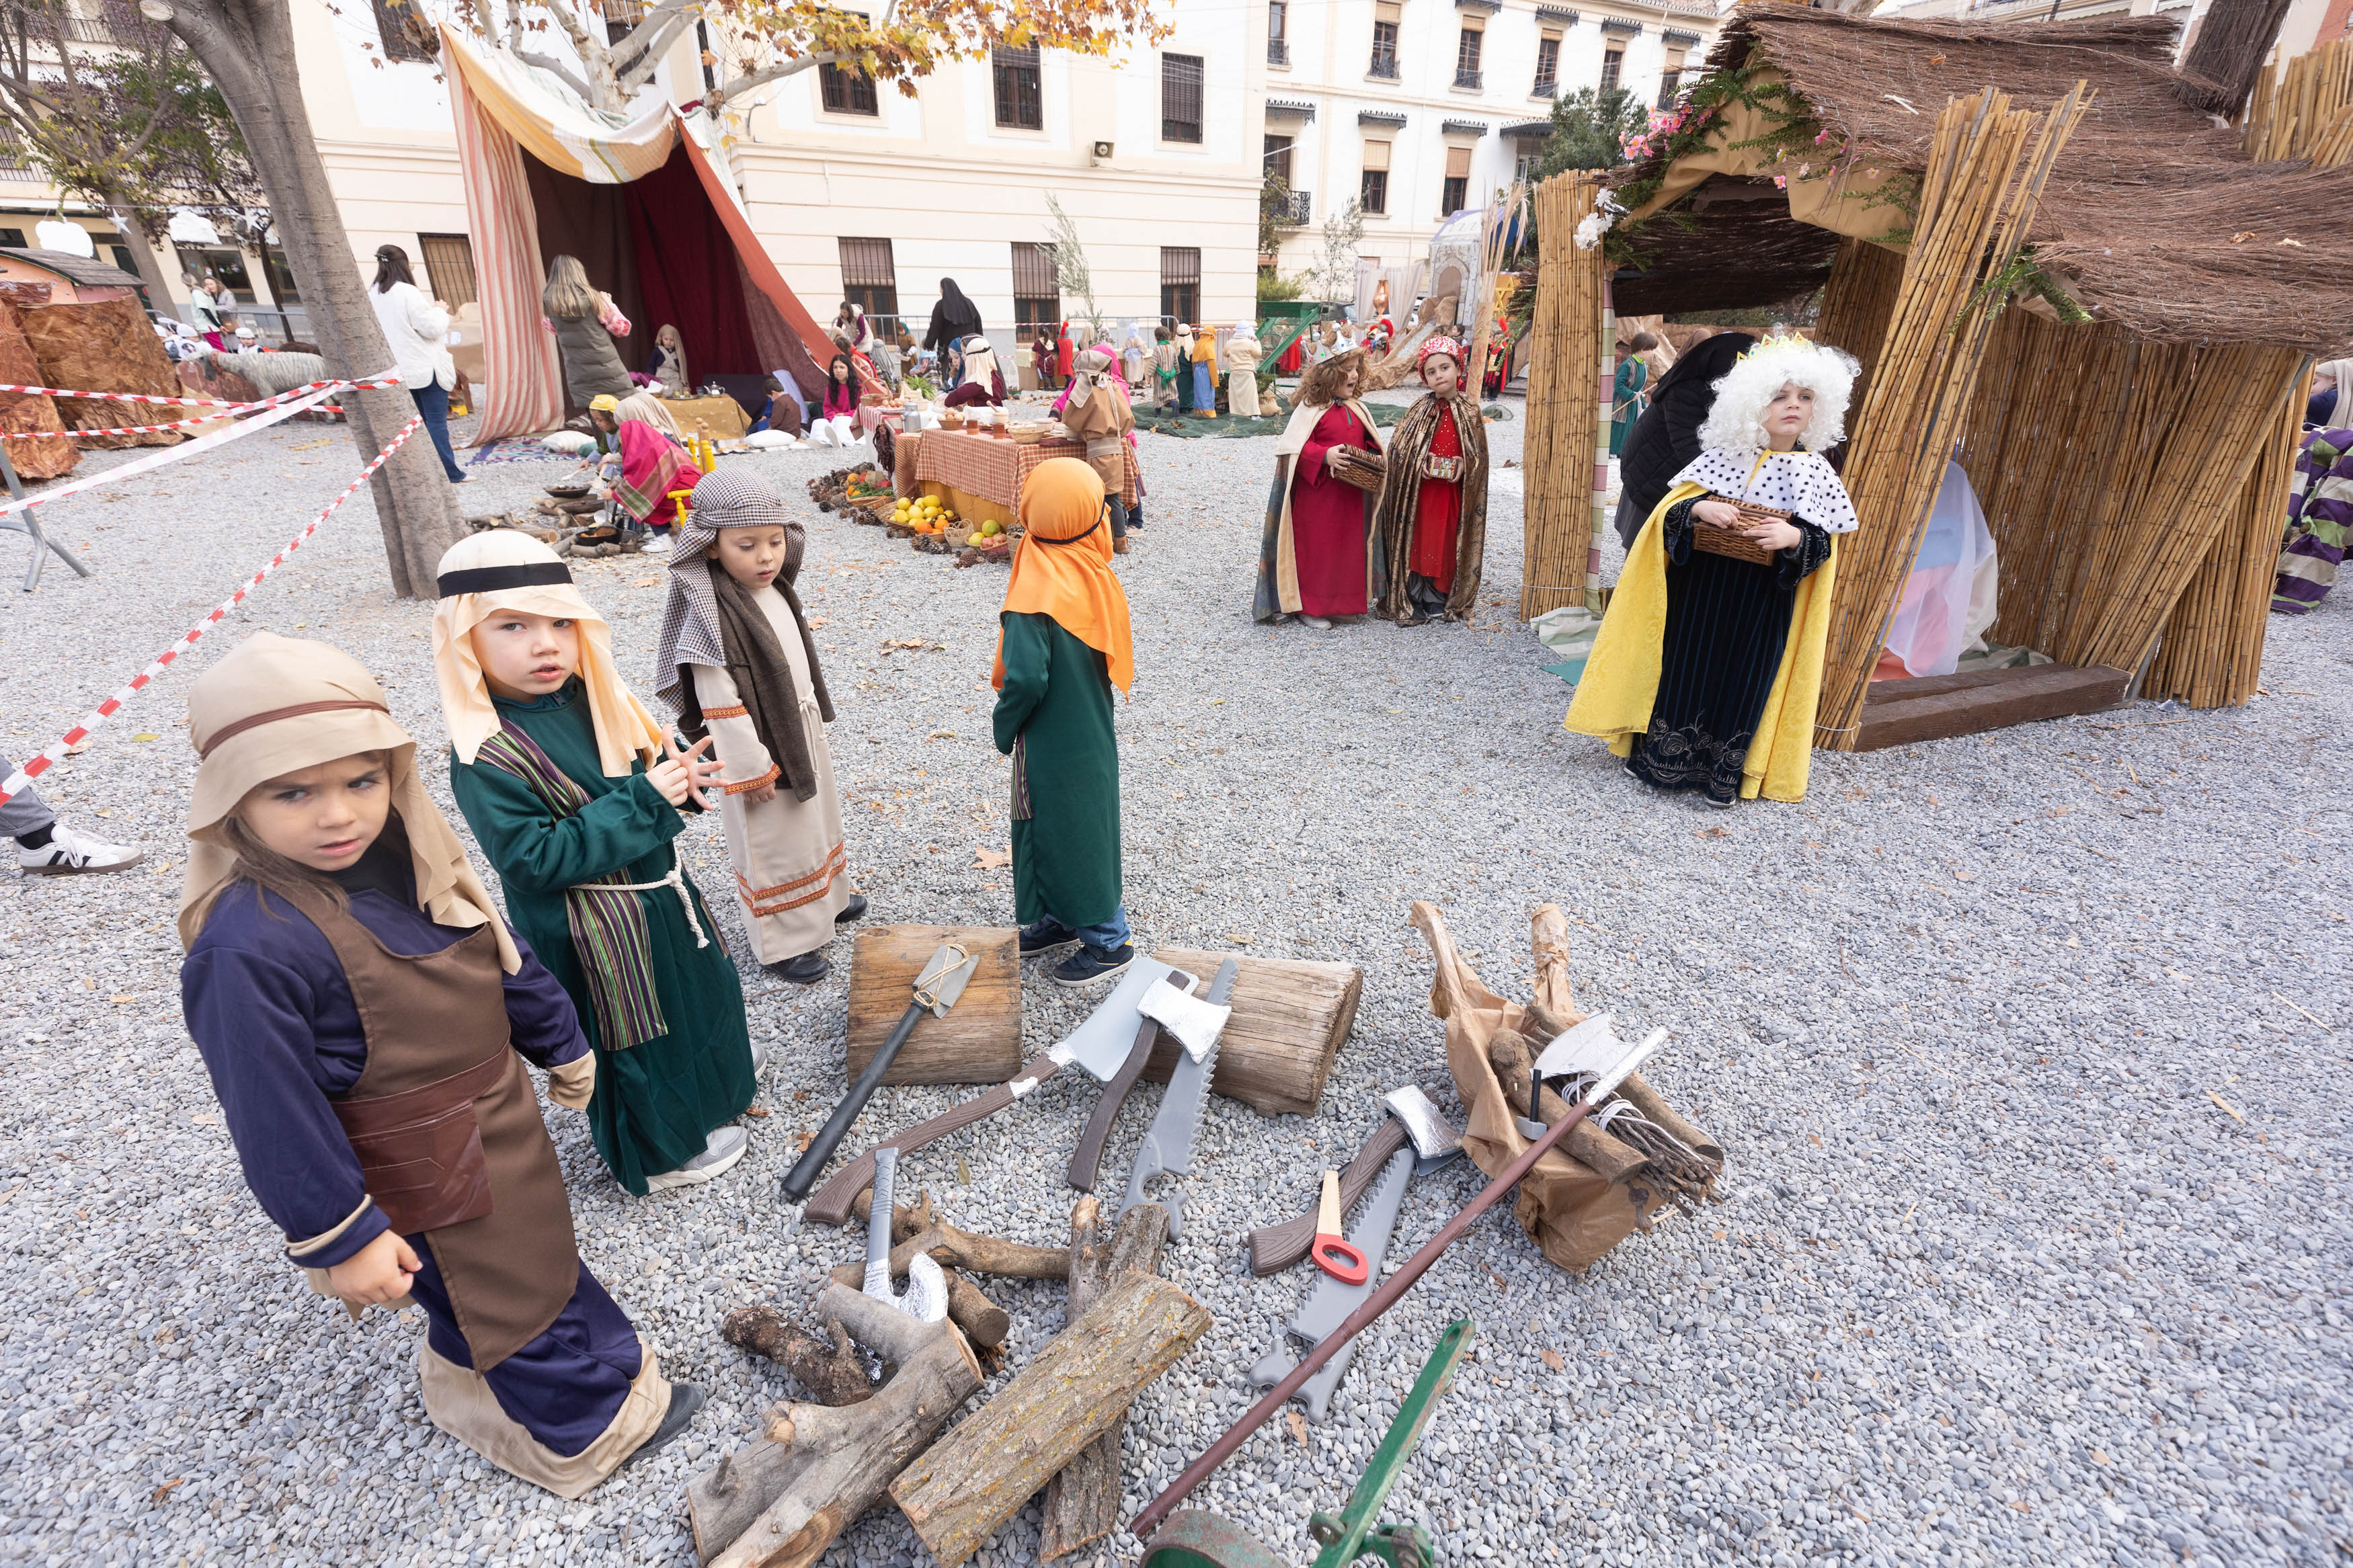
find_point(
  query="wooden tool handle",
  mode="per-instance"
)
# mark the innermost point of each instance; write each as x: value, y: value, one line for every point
x: 832, y: 1204
x: 1087, y: 1158
x: 1327, y: 1212
x: 1275, y: 1247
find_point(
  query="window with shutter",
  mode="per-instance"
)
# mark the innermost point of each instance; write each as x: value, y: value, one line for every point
x: 1467, y: 46
x: 869, y: 279
x: 1020, y: 100
x: 449, y: 265
x: 1374, y: 190
x: 1548, y: 83
x: 1613, y: 61
x: 1180, y: 283
x: 1385, y: 16
x: 1180, y: 98
x: 1037, y: 298
x: 846, y: 89
x: 1455, y: 193
x: 1670, y: 79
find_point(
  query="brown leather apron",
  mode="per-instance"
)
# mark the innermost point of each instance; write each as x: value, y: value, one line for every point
x: 449, y: 1133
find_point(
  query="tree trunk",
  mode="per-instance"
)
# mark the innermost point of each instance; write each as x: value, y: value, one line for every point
x: 972, y: 1481
x: 782, y: 1499
x: 150, y: 267
x: 1082, y: 1502
x: 246, y: 46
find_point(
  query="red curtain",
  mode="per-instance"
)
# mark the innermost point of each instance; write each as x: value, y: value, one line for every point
x: 687, y: 271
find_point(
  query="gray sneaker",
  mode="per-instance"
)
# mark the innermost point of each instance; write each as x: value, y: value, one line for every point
x: 719, y: 1156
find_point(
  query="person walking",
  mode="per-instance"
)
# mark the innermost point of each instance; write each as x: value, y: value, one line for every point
x: 586, y: 322
x: 416, y: 330
x: 45, y: 847
x: 211, y: 315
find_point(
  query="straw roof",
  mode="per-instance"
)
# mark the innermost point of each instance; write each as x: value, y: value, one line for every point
x: 2153, y: 218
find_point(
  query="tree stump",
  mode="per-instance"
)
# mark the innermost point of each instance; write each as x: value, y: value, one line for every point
x: 782, y: 1499
x: 1082, y: 1502
x: 980, y: 1039
x: 1291, y: 1016
x: 973, y: 1480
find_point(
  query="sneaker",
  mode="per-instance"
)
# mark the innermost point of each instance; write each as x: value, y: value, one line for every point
x: 1092, y: 964
x: 853, y: 910
x: 1318, y: 622
x: 801, y: 969
x: 685, y: 1399
x: 759, y: 1057
x: 1045, y: 936
x: 69, y: 854
x: 718, y: 1157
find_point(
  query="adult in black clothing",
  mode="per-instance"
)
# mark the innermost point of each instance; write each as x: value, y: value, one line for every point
x: 953, y: 317
x: 1665, y: 439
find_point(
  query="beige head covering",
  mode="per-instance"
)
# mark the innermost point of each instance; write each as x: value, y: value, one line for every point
x: 645, y: 406
x: 625, y: 730
x: 277, y: 705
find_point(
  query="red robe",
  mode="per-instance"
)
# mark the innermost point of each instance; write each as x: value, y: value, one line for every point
x: 1327, y: 520
x: 1062, y: 356
x: 1438, y: 514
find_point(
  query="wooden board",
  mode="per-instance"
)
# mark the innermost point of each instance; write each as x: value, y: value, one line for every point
x: 1937, y: 707
x: 980, y: 1039
x: 1291, y: 1017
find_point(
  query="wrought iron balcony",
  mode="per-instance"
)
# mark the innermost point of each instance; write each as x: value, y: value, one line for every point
x: 1470, y: 80
x: 1384, y: 65
x: 1297, y: 205
x: 1546, y: 87
x: 1278, y: 52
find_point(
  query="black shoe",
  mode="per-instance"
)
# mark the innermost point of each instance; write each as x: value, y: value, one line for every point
x: 853, y: 910
x: 685, y: 1399
x: 807, y: 969
x: 1038, y: 940
x: 1092, y: 964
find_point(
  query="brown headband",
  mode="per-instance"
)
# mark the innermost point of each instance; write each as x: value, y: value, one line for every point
x: 273, y: 715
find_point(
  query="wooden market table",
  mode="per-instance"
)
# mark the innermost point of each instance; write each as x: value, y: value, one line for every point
x: 724, y: 416
x: 980, y: 476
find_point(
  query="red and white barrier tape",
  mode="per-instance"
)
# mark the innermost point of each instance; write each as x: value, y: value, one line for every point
x: 232, y: 409
x: 382, y: 378
x: 23, y: 778
x: 171, y: 453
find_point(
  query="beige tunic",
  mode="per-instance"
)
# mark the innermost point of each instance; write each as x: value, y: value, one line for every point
x: 789, y: 869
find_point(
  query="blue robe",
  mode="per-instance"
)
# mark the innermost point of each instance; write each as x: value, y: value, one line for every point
x: 271, y: 1014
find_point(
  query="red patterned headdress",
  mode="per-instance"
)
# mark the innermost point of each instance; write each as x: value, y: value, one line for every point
x: 1435, y: 344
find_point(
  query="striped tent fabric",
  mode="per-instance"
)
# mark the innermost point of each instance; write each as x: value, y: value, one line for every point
x: 524, y: 390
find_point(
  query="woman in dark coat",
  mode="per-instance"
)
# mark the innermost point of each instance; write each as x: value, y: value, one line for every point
x: 955, y: 317
x: 1665, y: 439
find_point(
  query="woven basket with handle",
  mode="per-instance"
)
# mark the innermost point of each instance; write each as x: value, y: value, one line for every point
x: 1735, y: 546
x: 1355, y: 466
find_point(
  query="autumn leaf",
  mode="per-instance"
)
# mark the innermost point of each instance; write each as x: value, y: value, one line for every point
x: 755, y: 1110
x: 1553, y: 1360
x: 1501, y: 1283
x: 167, y: 1490
x: 991, y: 859
x: 1299, y: 1427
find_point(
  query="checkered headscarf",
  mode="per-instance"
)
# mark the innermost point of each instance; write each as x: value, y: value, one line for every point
x: 729, y: 496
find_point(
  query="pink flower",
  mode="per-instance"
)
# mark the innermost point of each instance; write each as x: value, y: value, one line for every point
x: 1780, y: 181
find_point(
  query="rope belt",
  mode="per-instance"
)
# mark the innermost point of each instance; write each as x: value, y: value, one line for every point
x: 675, y: 882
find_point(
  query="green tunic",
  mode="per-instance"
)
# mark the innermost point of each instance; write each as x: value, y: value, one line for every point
x: 656, y: 1103
x: 1057, y: 705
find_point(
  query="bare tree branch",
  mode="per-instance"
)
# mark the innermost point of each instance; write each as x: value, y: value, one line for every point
x: 743, y: 84
x: 640, y: 68
x: 563, y: 72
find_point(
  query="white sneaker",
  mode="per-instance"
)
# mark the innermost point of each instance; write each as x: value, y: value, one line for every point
x: 1318, y: 622
x: 718, y: 1157
x: 69, y: 854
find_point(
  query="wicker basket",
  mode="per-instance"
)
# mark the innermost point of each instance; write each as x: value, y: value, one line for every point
x: 1030, y: 434
x: 1355, y: 466
x: 1712, y: 541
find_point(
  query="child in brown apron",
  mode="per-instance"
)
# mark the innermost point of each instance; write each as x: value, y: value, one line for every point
x: 366, y: 1016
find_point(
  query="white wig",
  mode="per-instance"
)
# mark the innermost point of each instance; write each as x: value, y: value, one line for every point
x: 1737, y: 420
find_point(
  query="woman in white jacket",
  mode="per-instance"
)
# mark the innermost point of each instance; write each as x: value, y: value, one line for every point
x: 416, y: 330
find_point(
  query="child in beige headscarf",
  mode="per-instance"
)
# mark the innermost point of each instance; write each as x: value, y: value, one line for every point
x: 365, y: 1016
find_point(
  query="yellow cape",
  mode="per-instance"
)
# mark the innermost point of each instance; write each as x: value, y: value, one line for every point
x: 1621, y: 678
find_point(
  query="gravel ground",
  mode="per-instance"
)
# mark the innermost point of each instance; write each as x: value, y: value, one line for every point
x: 2025, y: 1049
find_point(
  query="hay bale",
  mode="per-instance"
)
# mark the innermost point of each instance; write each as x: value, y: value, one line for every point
x: 47, y: 456
x: 104, y: 347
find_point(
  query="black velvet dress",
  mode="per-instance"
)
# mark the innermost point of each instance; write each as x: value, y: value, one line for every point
x: 1727, y: 624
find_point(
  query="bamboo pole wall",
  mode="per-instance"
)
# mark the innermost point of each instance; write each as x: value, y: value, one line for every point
x: 1566, y: 342
x: 1985, y: 175
x: 2110, y: 471
x: 2213, y: 653
x: 1859, y: 301
x: 2305, y: 112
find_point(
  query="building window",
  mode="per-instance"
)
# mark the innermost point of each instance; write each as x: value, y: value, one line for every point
x: 402, y: 28
x: 1278, y: 33
x: 1547, y: 67
x: 1670, y: 79
x: 1180, y: 283
x: 1037, y: 297
x: 12, y: 237
x: 448, y: 265
x: 283, y: 290
x: 1455, y: 193
x: 1020, y: 104
x: 1277, y: 158
x: 1374, y: 193
x: 1613, y: 61
x: 201, y: 261
x: 1466, y: 53
x: 1180, y: 98
x: 846, y: 89
x: 869, y: 279
x: 1385, y: 40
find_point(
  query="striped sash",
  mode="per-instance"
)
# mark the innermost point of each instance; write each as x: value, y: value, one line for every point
x: 609, y: 935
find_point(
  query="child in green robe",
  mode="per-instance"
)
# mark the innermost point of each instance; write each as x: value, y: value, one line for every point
x: 575, y: 793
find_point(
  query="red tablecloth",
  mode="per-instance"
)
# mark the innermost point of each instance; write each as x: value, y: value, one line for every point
x: 989, y: 466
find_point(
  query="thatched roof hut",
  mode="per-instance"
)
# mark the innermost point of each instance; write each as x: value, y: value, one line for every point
x: 2053, y: 254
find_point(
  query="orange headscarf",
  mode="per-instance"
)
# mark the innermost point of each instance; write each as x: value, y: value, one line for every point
x: 1064, y: 567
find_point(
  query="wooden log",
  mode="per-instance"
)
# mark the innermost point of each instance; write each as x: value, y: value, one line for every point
x: 965, y: 1486
x: 1512, y: 1055
x: 980, y: 1039
x: 829, y: 1368
x: 918, y: 1226
x: 1291, y: 1016
x: 784, y: 1496
x: 1082, y: 1502
x: 1896, y: 714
